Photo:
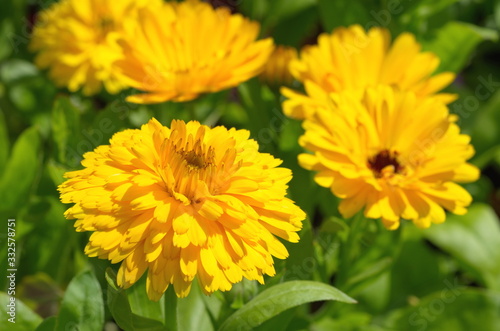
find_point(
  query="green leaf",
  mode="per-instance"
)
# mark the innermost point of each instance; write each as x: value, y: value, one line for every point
x: 56, y: 171
x: 344, y: 13
x: 65, y: 126
x: 295, y: 29
x: 423, y: 9
x: 21, y: 170
x: 192, y: 313
x: 24, y: 317
x: 14, y: 70
x: 406, y: 276
x: 346, y: 322
x: 48, y: 324
x: 107, y: 123
x: 292, y: 21
x: 140, y: 304
x: 50, y: 226
x: 278, y: 322
x: 4, y: 142
x: 119, y: 308
x: 279, y: 298
x: 82, y: 307
x: 451, y: 309
x: 455, y: 42
x: 474, y: 240
x: 485, y: 131
x: 170, y: 308
x: 283, y: 9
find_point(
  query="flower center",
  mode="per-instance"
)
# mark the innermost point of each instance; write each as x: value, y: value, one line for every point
x: 104, y: 26
x: 194, y: 160
x: 385, y: 163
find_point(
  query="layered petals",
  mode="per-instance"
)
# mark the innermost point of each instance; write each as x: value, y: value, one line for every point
x: 352, y: 59
x: 189, y: 48
x: 181, y: 203
x: 394, y: 154
x: 79, y: 41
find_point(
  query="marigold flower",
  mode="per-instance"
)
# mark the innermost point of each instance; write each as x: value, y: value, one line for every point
x: 397, y: 155
x: 183, y: 201
x: 277, y: 70
x: 185, y: 49
x: 79, y: 41
x: 351, y: 59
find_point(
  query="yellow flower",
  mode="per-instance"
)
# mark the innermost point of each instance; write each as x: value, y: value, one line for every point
x: 397, y: 155
x: 79, y: 41
x: 186, y: 201
x: 351, y: 59
x: 277, y: 70
x: 185, y: 49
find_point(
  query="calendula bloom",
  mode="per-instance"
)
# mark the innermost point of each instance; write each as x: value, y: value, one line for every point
x: 277, y: 69
x: 183, y: 201
x: 185, y: 49
x: 351, y: 59
x: 78, y: 40
x: 392, y: 153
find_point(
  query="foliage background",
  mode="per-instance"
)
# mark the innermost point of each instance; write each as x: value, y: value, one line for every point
x: 443, y: 278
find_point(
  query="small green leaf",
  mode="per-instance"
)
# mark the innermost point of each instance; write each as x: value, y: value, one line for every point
x: 14, y: 70
x: 82, y: 307
x: 474, y: 240
x: 119, y: 307
x: 21, y: 170
x: 16, y: 316
x: 344, y: 13
x: 279, y: 298
x: 192, y: 313
x: 65, y: 127
x: 140, y: 304
x: 420, y: 10
x: 294, y: 30
x: 406, y: 277
x: 4, y: 142
x: 283, y: 9
x: 485, y: 131
x: 56, y: 171
x: 170, y: 308
x: 455, y: 42
x: 48, y: 324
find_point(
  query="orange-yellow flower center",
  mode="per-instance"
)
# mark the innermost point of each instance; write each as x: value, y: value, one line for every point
x: 385, y: 163
x: 194, y: 160
x: 190, y: 169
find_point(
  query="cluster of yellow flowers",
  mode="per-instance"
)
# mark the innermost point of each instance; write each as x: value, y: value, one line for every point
x: 172, y: 51
x: 380, y: 135
x: 192, y: 201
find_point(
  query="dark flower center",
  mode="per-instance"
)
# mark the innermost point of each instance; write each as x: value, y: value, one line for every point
x: 106, y: 24
x: 195, y: 160
x: 384, y: 159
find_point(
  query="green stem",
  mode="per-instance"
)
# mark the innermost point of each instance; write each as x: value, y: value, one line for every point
x: 259, y: 114
x: 190, y: 105
x: 347, y: 257
x: 170, y: 305
x: 347, y: 250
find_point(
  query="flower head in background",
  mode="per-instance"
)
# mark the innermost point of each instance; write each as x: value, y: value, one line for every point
x: 183, y: 201
x: 185, y: 49
x: 78, y: 40
x: 277, y: 70
x: 392, y: 153
x: 351, y: 59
